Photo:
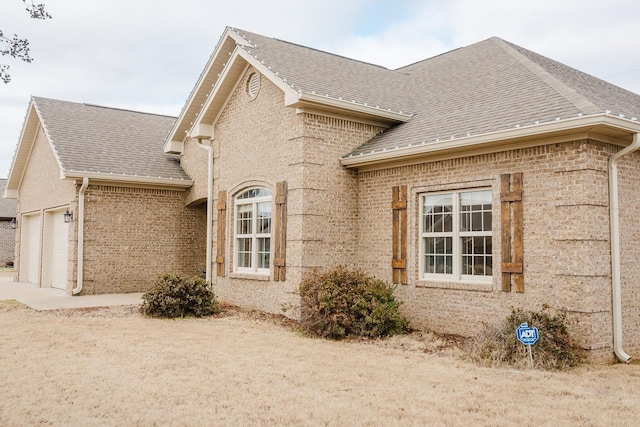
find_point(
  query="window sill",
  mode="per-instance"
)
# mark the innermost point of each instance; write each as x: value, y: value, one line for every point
x: 250, y: 276
x: 461, y: 286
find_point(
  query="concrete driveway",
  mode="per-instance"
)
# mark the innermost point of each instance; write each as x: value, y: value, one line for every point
x: 54, y: 299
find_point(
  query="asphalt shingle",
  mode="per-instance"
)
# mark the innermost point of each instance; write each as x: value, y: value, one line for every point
x: 489, y: 86
x: 91, y: 138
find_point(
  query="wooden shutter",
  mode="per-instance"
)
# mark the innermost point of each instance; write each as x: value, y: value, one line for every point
x: 280, y: 233
x: 399, y: 234
x: 222, y: 232
x: 511, y: 219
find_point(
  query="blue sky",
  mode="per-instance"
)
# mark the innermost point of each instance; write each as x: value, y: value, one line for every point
x: 147, y: 54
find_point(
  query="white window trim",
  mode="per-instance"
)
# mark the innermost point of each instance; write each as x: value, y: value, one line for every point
x: 456, y: 235
x: 254, y: 201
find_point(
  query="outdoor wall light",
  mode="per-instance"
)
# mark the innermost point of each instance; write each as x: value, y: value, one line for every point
x: 14, y: 223
x: 68, y: 216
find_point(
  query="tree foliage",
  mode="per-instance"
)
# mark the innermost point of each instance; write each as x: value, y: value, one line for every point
x: 15, y: 46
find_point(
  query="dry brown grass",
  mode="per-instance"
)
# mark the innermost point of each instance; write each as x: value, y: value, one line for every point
x: 110, y: 366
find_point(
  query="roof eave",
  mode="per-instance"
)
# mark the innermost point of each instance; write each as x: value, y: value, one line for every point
x: 130, y: 179
x: 306, y: 100
x: 464, y: 145
x: 23, y: 150
x: 198, y: 96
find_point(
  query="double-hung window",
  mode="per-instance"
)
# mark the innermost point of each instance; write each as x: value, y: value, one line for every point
x: 253, y: 231
x: 455, y: 229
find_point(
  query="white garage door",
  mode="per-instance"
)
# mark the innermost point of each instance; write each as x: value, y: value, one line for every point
x: 59, y: 251
x: 31, y: 253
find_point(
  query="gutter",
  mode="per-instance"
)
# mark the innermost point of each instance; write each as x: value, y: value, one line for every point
x: 499, y: 138
x: 614, y: 220
x: 80, y: 231
x: 209, y: 150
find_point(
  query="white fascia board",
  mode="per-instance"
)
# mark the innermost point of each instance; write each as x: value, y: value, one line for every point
x: 289, y: 92
x: 107, y: 177
x: 26, y: 141
x: 198, y: 89
x: 472, y: 142
x: 377, y: 112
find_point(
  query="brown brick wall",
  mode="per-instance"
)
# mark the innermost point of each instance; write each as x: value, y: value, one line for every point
x: 629, y: 194
x: 132, y: 235
x: 566, y: 241
x: 7, y: 243
x: 259, y: 142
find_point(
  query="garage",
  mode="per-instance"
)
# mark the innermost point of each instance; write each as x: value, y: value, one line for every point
x: 56, y: 250
x: 30, y: 254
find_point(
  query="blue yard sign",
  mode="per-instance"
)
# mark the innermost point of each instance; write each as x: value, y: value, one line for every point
x: 527, y: 335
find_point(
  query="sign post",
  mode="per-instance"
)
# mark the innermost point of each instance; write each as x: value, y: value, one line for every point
x: 527, y: 336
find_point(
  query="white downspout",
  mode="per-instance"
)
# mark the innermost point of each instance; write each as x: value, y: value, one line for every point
x: 614, y: 220
x: 80, y: 231
x: 209, y: 150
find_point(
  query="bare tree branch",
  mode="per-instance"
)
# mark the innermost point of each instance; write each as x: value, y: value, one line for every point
x: 15, y: 46
x: 36, y: 10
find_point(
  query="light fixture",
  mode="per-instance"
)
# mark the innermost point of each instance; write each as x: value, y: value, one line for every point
x: 68, y: 216
x: 14, y: 223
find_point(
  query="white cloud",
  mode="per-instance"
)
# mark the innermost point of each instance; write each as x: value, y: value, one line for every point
x: 147, y: 55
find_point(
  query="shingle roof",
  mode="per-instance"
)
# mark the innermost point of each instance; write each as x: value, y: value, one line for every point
x: 314, y: 71
x: 95, y: 139
x: 489, y: 86
x: 7, y: 206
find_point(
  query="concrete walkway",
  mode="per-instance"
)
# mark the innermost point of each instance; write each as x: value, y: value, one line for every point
x: 54, y: 299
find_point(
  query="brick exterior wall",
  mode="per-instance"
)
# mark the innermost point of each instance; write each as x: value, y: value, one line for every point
x: 259, y: 142
x: 339, y: 216
x: 7, y: 243
x: 629, y: 189
x: 566, y: 240
x: 132, y: 235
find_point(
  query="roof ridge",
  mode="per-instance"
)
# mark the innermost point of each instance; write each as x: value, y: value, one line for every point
x: 567, y: 92
x: 241, y: 33
x: 127, y: 110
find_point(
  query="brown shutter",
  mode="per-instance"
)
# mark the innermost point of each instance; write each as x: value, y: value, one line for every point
x: 280, y: 234
x: 399, y: 234
x: 511, y: 219
x: 222, y: 232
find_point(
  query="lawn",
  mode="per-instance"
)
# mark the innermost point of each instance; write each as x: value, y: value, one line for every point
x: 107, y: 367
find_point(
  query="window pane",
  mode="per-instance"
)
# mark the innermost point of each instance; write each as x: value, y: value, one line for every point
x: 475, y: 211
x: 264, y: 218
x: 244, y: 219
x: 264, y: 252
x: 438, y: 255
x: 477, y: 255
x: 438, y: 213
x: 255, y: 192
x: 244, y: 252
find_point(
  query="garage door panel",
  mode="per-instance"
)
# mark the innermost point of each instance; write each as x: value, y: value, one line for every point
x: 59, y: 251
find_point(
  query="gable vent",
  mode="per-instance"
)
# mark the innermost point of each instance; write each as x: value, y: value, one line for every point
x: 253, y: 85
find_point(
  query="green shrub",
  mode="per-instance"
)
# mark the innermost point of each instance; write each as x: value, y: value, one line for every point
x: 555, y: 349
x: 341, y: 303
x: 177, y: 296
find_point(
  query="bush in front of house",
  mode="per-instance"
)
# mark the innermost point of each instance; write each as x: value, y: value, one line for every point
x: 173, y: 296
x: 555, y: 349
x: 343, y: 303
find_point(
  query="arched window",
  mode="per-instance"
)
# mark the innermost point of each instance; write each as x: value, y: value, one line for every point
x: 253, y: 231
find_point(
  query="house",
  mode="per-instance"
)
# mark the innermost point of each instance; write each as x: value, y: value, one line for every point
x: 7, y: 232
x: 100, y: 206
x: 486, y: 178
